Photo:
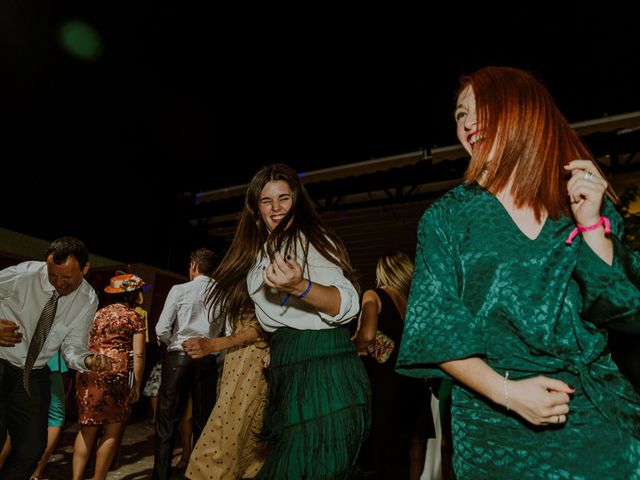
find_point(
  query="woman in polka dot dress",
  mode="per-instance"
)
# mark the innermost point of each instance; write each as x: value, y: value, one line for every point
x: 229, y: 447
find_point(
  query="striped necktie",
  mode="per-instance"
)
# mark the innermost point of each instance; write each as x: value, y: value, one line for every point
x: 39, y: 337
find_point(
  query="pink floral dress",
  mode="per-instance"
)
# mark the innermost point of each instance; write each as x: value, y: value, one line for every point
x: 103, y: 396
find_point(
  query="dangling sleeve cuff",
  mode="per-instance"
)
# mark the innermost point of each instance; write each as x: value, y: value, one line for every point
x: 611, y: 294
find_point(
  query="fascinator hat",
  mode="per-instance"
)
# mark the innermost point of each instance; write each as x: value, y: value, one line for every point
x: 124, y: 283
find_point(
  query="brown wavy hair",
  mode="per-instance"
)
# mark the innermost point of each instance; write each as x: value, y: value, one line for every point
x: 302, y: 225
x: 529, y: 140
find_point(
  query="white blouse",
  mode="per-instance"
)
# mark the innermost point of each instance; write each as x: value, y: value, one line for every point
x: 297, y: 313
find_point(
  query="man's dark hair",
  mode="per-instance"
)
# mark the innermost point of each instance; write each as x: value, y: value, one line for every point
x: 66, y: 247
x: 206, y: 260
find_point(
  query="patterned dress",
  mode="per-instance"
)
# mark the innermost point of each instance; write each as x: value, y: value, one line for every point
x: 482, y: 288
x: 103, y: 396
x: 229, y: 447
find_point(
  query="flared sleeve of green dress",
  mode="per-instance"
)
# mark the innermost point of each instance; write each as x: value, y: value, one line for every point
x: 438, y: 325
x: 611, y: 294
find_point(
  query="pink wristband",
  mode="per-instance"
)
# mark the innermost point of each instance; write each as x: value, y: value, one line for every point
x: 581, y: 228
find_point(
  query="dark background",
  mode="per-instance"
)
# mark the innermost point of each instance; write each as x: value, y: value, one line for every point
x: 192, y: 97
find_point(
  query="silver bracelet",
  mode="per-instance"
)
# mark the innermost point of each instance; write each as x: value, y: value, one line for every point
x: 506, y: 391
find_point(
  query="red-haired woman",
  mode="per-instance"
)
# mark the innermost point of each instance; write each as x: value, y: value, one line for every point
x: 517, y: 273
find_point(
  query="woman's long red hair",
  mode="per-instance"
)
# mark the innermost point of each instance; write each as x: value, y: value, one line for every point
x: 525, y: 138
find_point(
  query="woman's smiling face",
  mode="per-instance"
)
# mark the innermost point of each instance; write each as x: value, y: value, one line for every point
x: 275, y: 201
x: 466, y: 121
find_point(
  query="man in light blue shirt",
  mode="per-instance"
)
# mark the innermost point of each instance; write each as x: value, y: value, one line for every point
x: 24, y: 291
x: 185, y: 314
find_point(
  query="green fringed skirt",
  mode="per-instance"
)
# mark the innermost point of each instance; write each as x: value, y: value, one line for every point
x: 319, y: 401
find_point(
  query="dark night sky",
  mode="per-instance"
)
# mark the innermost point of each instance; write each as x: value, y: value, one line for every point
x: 216, y: 94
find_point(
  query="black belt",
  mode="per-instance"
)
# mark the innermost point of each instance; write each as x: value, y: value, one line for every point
x: 36, y: 371
x: 180, y: 353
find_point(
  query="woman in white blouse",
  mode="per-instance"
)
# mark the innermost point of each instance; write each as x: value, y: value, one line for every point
x: 289, y: 265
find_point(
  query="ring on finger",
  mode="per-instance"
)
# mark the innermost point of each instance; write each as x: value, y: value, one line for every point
x: 588, y: 176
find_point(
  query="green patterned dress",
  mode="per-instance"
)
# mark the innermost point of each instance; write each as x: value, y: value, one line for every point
x: 531, y: 307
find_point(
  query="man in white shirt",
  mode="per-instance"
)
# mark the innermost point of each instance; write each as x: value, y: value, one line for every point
x: 185, y: 314
x: 25, y: 289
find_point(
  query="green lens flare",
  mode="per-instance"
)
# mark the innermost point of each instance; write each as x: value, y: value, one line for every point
x: 81, y: 40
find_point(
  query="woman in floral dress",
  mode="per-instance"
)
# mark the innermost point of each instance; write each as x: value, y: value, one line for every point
x: 104, y: 398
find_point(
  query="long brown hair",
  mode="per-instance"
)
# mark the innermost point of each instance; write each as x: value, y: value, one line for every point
x: 527, y: 137
x: 301, y: 226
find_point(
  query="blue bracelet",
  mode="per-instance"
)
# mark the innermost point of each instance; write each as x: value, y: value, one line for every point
x: 284, y: 300
x: 306, y: 292
x: 302, y: 295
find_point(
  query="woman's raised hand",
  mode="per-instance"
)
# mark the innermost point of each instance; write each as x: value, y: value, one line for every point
x: 586, y: 189
x: 285, y: 275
